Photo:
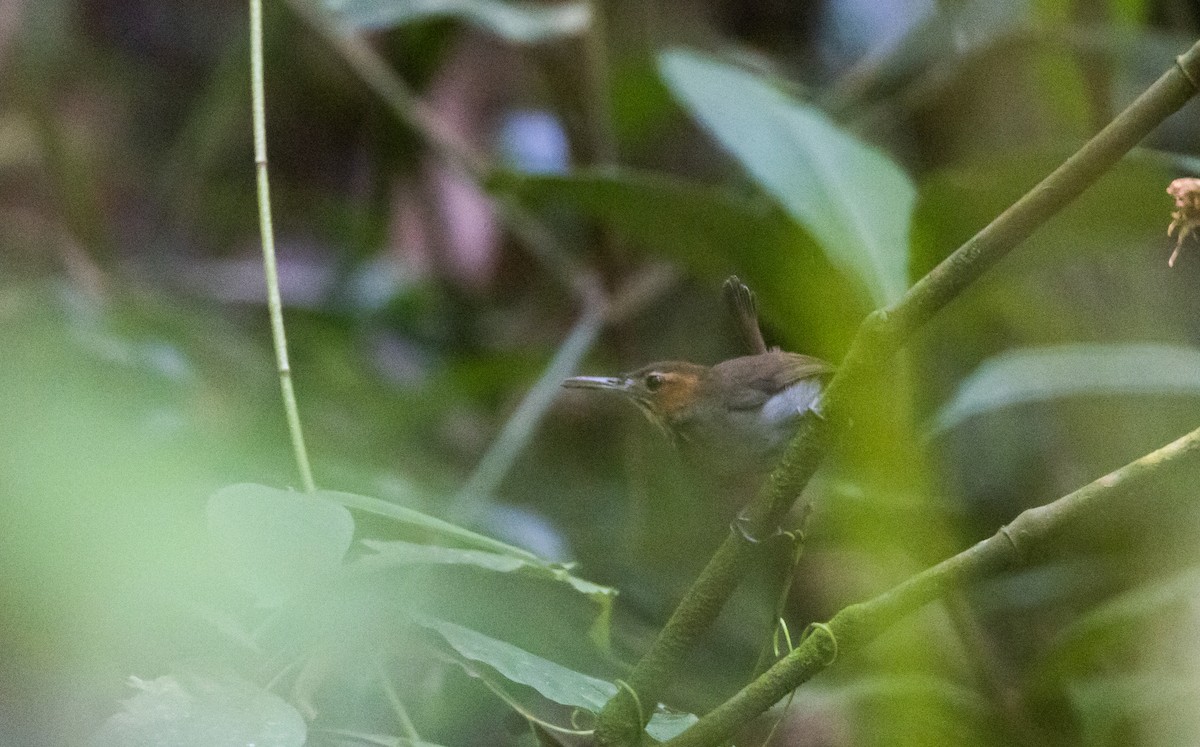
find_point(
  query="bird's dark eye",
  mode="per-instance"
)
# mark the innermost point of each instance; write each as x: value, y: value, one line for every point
x: 654, y: 381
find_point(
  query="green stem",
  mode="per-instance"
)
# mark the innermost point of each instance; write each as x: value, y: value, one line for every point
x: 879, y: 337
x: 1030, y: 536
x: 515, y: 434
x: 406, y: 722
x: 274, y: 303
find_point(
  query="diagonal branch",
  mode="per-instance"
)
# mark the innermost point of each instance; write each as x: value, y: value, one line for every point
x: 879, y: 337
x: 1031, y: 535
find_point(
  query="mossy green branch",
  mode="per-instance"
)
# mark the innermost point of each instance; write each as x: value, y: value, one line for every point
x: 1032, y: 535
x: 880, y: 336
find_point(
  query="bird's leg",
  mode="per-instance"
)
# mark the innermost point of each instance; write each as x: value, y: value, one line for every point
x: 786, y: 559
x: 741, y: 527
x: 744, y: 308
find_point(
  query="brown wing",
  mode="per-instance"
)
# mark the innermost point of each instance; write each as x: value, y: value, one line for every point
x: 752, y: 380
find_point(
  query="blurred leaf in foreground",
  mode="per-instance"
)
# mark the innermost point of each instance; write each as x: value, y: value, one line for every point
x: 278, y: 541
x: 199, y: 712
x: 397, y: 553
x: 552, y: 681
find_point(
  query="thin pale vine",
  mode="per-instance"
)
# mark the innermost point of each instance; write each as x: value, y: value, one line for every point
x: 274, y: 302
x: 797, y: 539
x: 525, y: 713
x: 787, y: 635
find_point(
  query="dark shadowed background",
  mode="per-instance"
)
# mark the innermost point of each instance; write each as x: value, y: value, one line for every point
x: 137, y: 377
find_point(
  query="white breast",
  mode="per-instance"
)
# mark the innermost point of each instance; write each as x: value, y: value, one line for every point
x: 781, y: 412
x: 770, y: 427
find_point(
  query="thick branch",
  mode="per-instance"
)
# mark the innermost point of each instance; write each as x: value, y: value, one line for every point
x: 1032, y: 534
x: 881, y: 335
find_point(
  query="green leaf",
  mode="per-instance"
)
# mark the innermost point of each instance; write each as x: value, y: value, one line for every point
x: 1160, y: 702
x: 853, y: 199
x: 665, y: 724
x: 399, y: 553
x: 697, y: 225
x: 382, y: 740
x: 424, y: 522
x: 712, y: 233
x: 1132, y: 608
x: 552, y: 681
x: 197, y: 712
x: 275, y: 541
x: 1099, y: 632
x: 518, y: 22
x: 1041, y: 374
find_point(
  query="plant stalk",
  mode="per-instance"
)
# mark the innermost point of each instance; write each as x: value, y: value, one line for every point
x: 1030, y: 536
x: 878, y: 338
x: 267, y: 231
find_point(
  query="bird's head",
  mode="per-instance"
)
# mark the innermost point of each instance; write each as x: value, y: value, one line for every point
x: 662, y: 391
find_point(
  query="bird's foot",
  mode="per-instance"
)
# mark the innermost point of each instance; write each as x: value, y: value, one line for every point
x: 741, y: 526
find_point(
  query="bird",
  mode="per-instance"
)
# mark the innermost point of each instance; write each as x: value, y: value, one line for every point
x: 736, y: 416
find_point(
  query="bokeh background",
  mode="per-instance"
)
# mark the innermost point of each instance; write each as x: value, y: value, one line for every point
x: 137, y: 378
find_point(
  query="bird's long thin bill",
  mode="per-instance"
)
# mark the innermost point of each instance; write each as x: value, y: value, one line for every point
x: 611, y: 383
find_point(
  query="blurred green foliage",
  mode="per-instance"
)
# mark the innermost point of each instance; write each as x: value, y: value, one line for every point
x: 145, y: 474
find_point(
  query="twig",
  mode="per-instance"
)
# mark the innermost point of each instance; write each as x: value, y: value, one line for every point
x: 1033, y: 533
x: 445, y: 143
x: 511, y: 440
x: 878, y: 338
x: 991, y: 672
x: 274, y: 303
x: 406, y: 722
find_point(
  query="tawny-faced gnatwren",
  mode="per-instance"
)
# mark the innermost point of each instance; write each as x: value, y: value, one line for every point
x: 736, y: 416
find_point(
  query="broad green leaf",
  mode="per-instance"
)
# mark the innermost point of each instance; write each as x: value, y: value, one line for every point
x: 552, y: 681
x: 1040, y: 374
x: 358, y: 738
x: 521, y: 22
x: 1163, y: 703
x: 712, y: 233
x: 697, y: 225
x: 665, y: 724
x: 1094, y: 633
x: 197, y: 712
x: 1132, y: 608
x: 396, y: 552
x: 852, y: 198
x: 275, y: 541
x: 424, y: 522
x: 399, y: 553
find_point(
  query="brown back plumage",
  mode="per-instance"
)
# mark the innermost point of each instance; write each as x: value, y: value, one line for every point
x: 753, y: 379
